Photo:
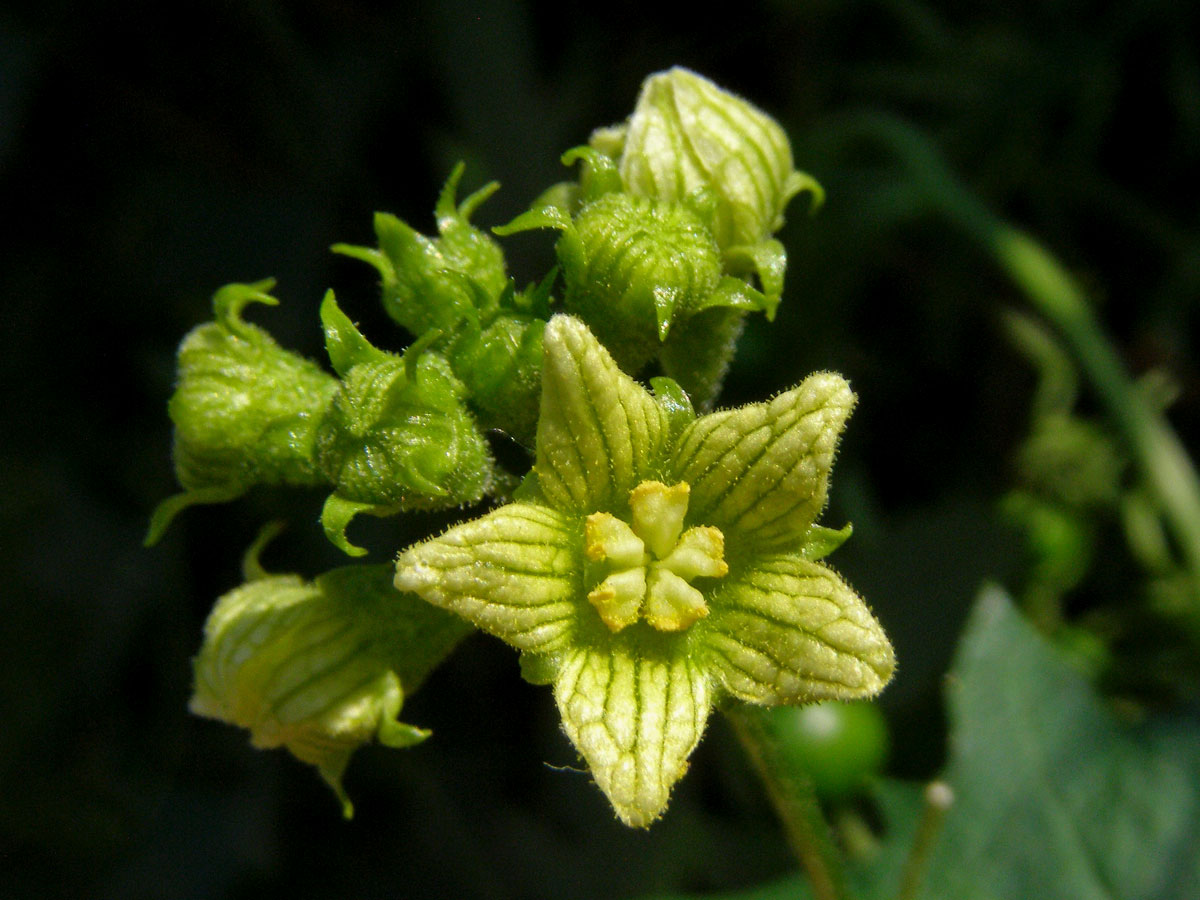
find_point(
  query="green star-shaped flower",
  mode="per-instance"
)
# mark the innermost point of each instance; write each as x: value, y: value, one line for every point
x: 655, y: 561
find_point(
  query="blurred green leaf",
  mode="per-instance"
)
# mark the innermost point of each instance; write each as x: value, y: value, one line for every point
x: 1054, y: 796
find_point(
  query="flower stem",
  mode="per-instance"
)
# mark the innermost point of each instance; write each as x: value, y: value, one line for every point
x: 791, y: 794
x: 938, y: 800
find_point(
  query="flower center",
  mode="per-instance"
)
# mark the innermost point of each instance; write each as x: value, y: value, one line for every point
x: 649, y: 566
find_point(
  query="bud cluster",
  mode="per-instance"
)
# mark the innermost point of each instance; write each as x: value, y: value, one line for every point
x: 651, y: 561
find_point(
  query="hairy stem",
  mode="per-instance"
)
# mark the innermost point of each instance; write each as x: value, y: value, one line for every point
x: 791, y: 794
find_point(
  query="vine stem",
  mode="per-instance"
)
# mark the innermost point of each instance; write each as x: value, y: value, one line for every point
x: 1156, y: 449
x: 792, y: 795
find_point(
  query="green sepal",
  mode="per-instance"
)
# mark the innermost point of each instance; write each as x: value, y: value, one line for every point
x: 733, y: 293
x: 539, y: 669
x: 821, y: 541
x: 252, y: 567
x: 338, y: 513
x: 344, y: 343
x: 320, y: 667
x: 766, y: 259
x: 166, y: 511
x: 674, y: 402
x: 598, y: 175
x: 230, y: 300
x: 547, y: 215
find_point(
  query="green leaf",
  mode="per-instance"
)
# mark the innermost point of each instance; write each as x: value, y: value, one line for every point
x: 636, y: 716
x: 760, y: 472
x: 320, y: 667
x: 789, y: 630
x: 514, y: 572
x: 600, y: 432
x: 1055, y: 798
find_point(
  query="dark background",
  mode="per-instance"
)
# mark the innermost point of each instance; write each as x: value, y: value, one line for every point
x: 152, y: 152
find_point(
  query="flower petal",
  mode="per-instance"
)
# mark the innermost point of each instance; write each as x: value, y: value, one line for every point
x: 635, y: 716
x: 320, y: 667
x: 600, y: 432
x: 514, y: 572
x: 761, y: 471
x: 789, y: 630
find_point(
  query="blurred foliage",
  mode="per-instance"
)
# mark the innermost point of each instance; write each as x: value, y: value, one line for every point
x: 150, y: 153
x: 1054, y: 796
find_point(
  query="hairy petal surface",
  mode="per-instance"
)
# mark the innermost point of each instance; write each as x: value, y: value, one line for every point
x: 515, y: 573
x: 599, y: 431
x: 636, y: 717
x: 790, y: 630
x: 761, y: 472
x: 320, y: 667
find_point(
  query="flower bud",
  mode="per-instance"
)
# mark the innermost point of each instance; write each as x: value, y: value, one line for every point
x: 686, y: 135
x: 319, y: 667
x: 431, y: 283
x: 633, y: 267
x: 245, y: 410
x: 501, y: 366
x: 397, y: 434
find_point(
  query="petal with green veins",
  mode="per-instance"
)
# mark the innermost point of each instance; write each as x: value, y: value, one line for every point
x: 514, y: 572
x: 789, y: 630
x: 761, y: 471
x: 599, y: 430
x: 319, y: 667
x: 635, y: 716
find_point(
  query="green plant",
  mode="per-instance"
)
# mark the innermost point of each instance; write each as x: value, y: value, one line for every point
x: 653, y: 559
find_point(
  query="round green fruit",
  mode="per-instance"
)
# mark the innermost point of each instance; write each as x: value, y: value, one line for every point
x: 840, y: 746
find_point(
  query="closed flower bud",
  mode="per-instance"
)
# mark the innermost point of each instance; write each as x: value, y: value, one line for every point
x: 686, y: 134
x: 320, y: 667
x: 245, y: 410
x: 431, y: 283
x: 633, y: 267
x: 397, y: 434
x: 501, y: 366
